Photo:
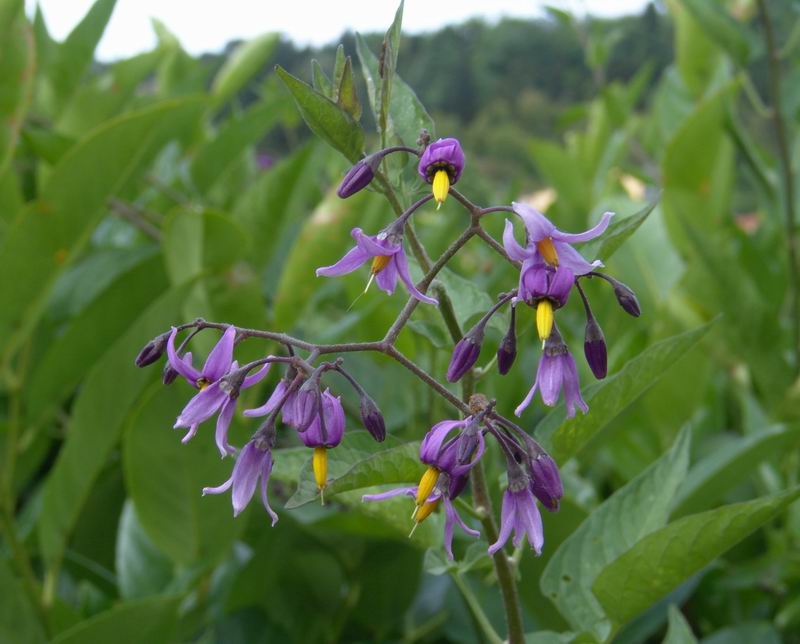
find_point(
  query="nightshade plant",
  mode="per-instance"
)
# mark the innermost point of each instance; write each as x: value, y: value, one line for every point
x: 549, y: 269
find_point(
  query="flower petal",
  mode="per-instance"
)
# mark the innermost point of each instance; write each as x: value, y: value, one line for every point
x: 514, y: 250
x: 182, y: 365
x: 398, y: 491
x: 352, y: 259
x: 596, y: 231
x: 527, y: 401
x: 190, y: 434
x: 219, y: 360
x: 245, y: 476
x: 402, y: 269
x: 220, y: 488
x: 223, y: 422
x: 572, y: 387
x: 506, y: 523
x: 550, y: 378
x: 537, y: 225
x: 266, y: 470
x: 258, y: 376
x: 271, y: 403
x: 570, y: 258
x: 202, y: 406
x: 373, y: 245
x: 387, y: 278
x: 431, y: 446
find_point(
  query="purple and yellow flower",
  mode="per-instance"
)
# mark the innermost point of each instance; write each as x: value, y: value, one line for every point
x: 219, y: 383
x: 253, y: 463
x: 557, y: 371
x: 324, y: 432
x: 441, y: 165
x: 388, y: 262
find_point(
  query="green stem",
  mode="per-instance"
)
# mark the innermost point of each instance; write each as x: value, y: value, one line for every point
x: 475, y: 609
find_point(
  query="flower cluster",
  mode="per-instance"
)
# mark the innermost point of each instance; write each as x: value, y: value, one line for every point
x: 549, y: 269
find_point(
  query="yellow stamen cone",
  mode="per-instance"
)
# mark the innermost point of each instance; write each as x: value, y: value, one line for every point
x: 544, y: 319
x: 548, y: 251
x: 426, y: 484
x: 441, y: 187
x: 320, y: 464
x: 424, y: 512
x: 379, y: 262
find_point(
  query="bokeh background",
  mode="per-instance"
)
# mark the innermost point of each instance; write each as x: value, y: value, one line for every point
x: 153, y: 189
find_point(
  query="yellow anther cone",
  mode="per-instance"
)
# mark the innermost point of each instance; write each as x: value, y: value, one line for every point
x: 548, y: 251
x: 426, y: 484
x: 544, y: 319
x: 441, y: 187
x: 379, y: 263
x: 320, y: 464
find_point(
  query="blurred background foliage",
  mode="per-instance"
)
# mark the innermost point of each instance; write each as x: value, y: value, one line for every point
x: 154, y: 190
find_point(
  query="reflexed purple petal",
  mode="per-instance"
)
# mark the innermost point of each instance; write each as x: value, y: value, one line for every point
x: 182, y: 366
x: 550, y: 377
x: 258, y: 376
x: 245, y: 476
x: 190, y: 434
x: 372, y: 245
x: 452, y: 518
x: 289, y: 411
x: 561, y: 284
x: 219, y: 360
x: 431, y: 446
x: 220, y: 489
x: 537, y: 225
x: 223, y: 422
x: 352, y: 259
x: 387, y: 278
x: 202, y: 406
x: 575, y: 238
x: 402, y: 269
x: 266, y: 470
x: 527, y: 401
x: 572, y: 387
x: 570, y: 258
x: 514, y: 250
x: 506, y: 522
x: 398, y: 491
x: 271, y: 403
x: 528, y: 521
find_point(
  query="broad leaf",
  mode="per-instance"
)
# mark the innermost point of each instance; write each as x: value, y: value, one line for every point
x: 679, y: 631
x: 17, y: 65
x: 142, y: 569
x: 248, y: 59
x: 727, y: 32
x: 18, y: 620
x: 663, y: 559
x: 640, y: 507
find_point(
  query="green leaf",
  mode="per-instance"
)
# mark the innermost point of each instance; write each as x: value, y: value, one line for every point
x: 75, y: 55
x: 617, y: 234
x: 386, y: 70
x: 609, y: 398
x: 638, y: 508
x: 663, y: 559
x: 717, y: 23
x: 408, y: 115
x: 85, y: 338
x: 551, y: 637
x: 51, y: 232
x: 18, y: 620
x: 746, y: 633
x: 320, y: 80
x: 325, y: 118
x: 17, y: 66
x: 679, y: 631
x: 151, y: 620
x: 165, y: 479
x: 248, y: 59
x: 346, y: 96
x: 730, y: 465
x: 360, y: 462
x: 469, y: 300
x: 142, y: 569
x: 98, y: 415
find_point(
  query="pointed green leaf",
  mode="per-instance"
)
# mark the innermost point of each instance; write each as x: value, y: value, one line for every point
x: 387, y: 67
x: 663, y: 559
x: 142, y: 569
x: 17, y: 66
x: 346, y: 96
x: 320, y: 80
x: 726, y: 31
x: 248, y: 59
x: 679, y: 631
x: 18, y: 620
x: 325, y: 118
x: 338, y: 72
x: 151, y: 620
x: 638, y: 508
x: 617, y: 234
x: 609, y: 398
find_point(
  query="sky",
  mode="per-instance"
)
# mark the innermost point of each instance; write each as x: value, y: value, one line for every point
x: 207, y: 25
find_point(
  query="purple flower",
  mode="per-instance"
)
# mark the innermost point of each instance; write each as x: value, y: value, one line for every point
x: 219, y: 383
x: 441, y: 165
x: 451, y: 456
x: 547, y: 244
x: 333, y: 417
x: 521, y: 515
x: 538, y: 281
x: 254, y: 461
x: 451, y: 519
x: 278, y: 394
x: 389, y: 261
x: 546, y: 481
x: 465, y: 354
x: 557, y: 370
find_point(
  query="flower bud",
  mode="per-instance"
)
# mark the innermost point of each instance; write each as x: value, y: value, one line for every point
x: 545, y: 481
x: 594, y: 348
x: 507, y: 351
x: 465, y: 353
x: 168, y: 374
x: 627, y: 299
x: 372, y: 418
x: 357, y: 178
x: 467, y: 442
x: 152, y: 351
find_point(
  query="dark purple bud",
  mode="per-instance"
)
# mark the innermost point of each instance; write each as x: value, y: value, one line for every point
x: 467, y: 442
x: 507, y: 351
x: 372, y: 418
x: 545, y: 481
x: 306, y: 406
x: 168, y: 374
x: 627, y: 299
x: 594, y: 347
x: 357, y: 178
x: 465, y: 353
x: 152, y: 351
